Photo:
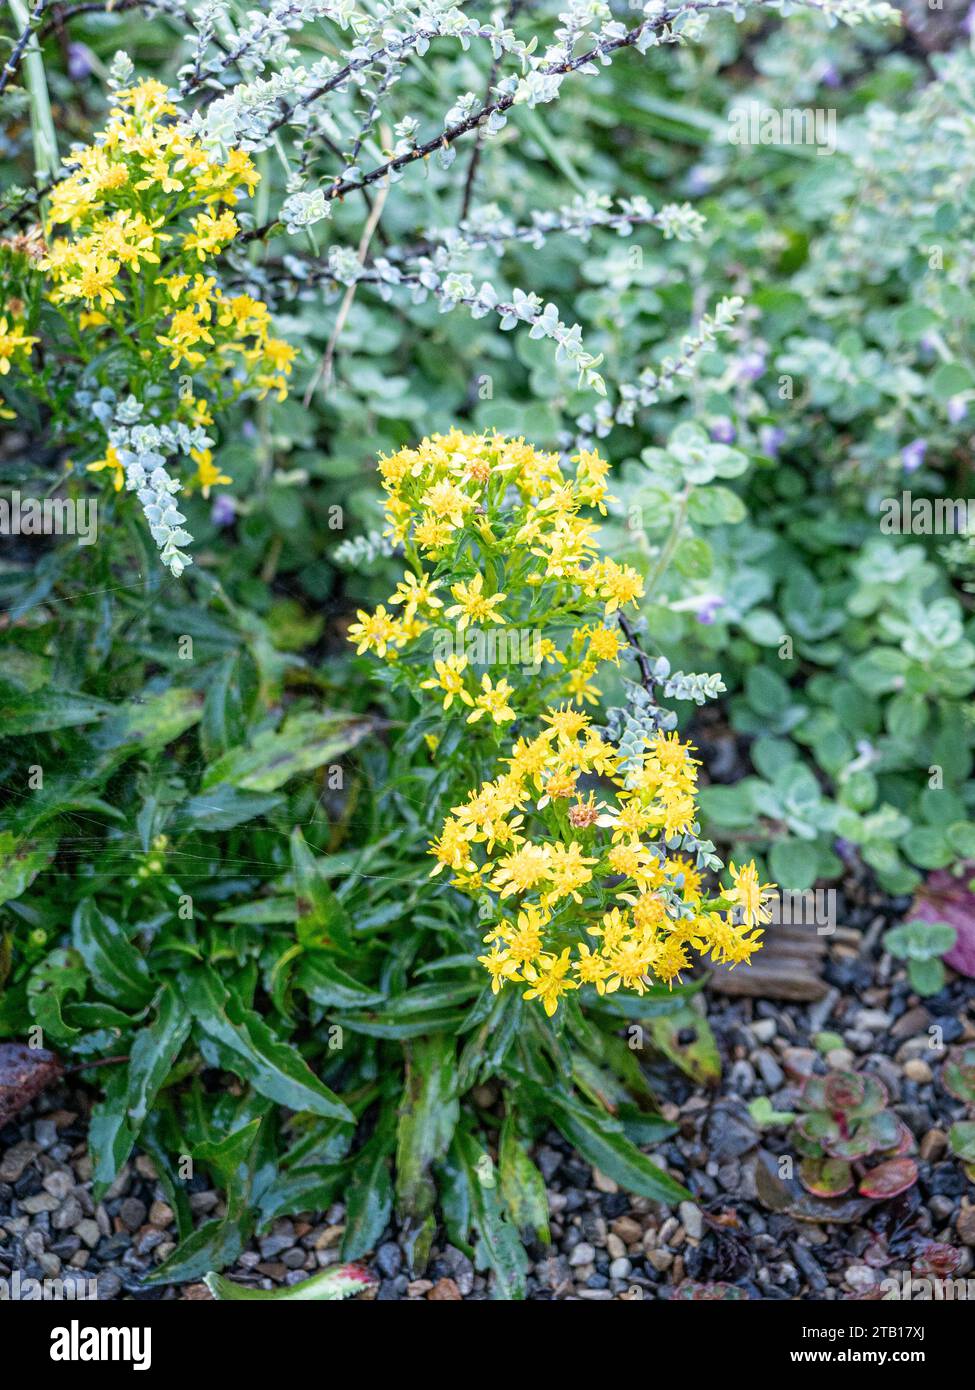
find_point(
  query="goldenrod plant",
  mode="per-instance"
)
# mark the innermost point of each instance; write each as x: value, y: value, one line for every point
x: 112, y: 311
x: 585, y: 860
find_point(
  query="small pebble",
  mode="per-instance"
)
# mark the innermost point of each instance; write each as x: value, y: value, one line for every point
x: 583, y: 1254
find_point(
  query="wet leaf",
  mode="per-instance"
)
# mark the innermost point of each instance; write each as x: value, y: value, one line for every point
x: 889, y: 1179
x: 685, y: 1037
x: 343, y: 1281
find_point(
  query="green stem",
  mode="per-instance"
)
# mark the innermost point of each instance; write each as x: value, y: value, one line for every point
x: 46, y: 158
x: 671, y: 544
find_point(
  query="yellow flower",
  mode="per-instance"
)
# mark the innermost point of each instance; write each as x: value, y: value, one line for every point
x: 605, y: 643
x: 579, y: 684
x: 749, y: 894
x: 473, y: 605
x: 591, y: 968
x: 211, y: 233
x: 451, y: 848
x: 492, y: 700
x: 13, y: 341
x: 208, y: 474
x: 499, y: 966
x: 376, y: 631
x: 566, y: 723
x: 416, y: 593
x: 548, y: 980
x: 523, y: 940
x: 445, y: 499
x: 618, y: 584
x: 449, y: 679
x: 112, y: 461
x: 522, y: 870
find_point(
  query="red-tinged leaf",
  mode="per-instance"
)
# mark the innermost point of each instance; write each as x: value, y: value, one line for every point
x: 875, y: 1098
x: 24, y: 1073
x: 944, y: 898
x: 825, y: 1177
x: 889, y: 1179
x: 340, y: 1281
x: 844, y: 1090
x: 906, y: 1143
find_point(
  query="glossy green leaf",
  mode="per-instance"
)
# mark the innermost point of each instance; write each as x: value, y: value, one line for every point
x: 274, y: 1068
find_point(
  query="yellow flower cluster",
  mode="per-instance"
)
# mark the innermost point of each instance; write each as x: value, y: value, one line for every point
x: 579, y: 868
x: 579, y: 890
x: 467, y: 508
x: 15, y: 343
x: 146, y: 206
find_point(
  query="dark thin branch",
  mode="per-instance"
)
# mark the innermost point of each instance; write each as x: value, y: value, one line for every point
x: 63, y: 14
x: 475, y: 158
x: 20, y: 47
x: 640, y: 656
x: 475, y: 119
x: 97, y: 1062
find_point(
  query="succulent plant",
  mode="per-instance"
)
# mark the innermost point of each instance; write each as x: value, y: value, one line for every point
x: 845, y: 1121
x: 958, y: 1075
x: 935, y: 1260
x: 958, y: 1079
x: 922, y: 945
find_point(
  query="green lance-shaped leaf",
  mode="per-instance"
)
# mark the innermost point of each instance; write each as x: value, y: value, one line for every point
x: 498, y: 1245
x: 312, y: 1187
x: 117, y: 968
x: 600, y: 1139
x: 274, y: 1068
x: 369, y: 1196
x: 41, y: 711
x: 522, y: 1185
x: 219, y: 1242
x: 152, y: 722
x: 343, y: 1282
x: 154, y: 1053
x: 110, y: 1138
x: 22, y: 858
x: 320, y: 919
x: 55, y: 979
x: 427, y: 1118
x: 304, y: 742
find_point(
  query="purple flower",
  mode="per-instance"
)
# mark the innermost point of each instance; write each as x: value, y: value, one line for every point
x: 224, y: 509
x: 912, y: 455
x: 770, y: 440
x: 80, y: 61
x: 968, y: 23
x: 830, y: 75
x: 723, y: 431
x: 700, y: 180
x: 705, y: 607
x: 750, y: 367
x: 957, y: 409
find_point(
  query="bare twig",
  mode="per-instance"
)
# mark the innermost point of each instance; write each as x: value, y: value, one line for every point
x: 640, y: 656
x: 343, y: 187
x: 11, y: 66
